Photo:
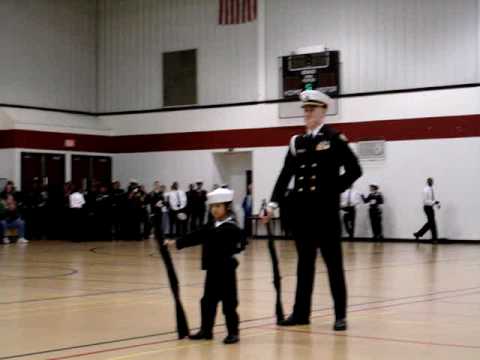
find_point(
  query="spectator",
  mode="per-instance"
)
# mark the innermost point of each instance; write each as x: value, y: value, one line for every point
x: 103, y: 213
x: 177, y: 200
x: 134, y: 211
x: 118, y: 203
x: 199, y: 206
x: 191, y: 195
x: 11, y: 190
x: 156, y: 200
x: 35, y: 203
x: 77, y: 213
x: 13, y: 221
x: 247, y: 206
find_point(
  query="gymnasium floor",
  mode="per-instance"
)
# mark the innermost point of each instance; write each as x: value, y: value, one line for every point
x: 61, y: 300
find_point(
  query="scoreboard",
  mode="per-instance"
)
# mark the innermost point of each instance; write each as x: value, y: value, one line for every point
x: 319, y: 71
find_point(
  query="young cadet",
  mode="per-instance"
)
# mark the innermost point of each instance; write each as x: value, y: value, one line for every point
x: 221, y: 240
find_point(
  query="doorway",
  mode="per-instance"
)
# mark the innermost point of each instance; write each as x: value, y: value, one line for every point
x: 235, y: 170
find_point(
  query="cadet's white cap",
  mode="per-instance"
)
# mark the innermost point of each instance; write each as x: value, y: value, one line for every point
x: 315, y: 98
x: 220, y: 196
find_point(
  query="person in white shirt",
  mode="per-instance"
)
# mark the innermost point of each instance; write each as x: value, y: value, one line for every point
x: 77, y: 202
x: 429, y: 203
x: 177, y: 201
x: 348, y: 202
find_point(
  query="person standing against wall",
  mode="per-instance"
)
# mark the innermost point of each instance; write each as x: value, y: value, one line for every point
x: 199, y: 206
x: 119, y: 198
x: 349, y: 201
x: 247, y: 206
x: 375, y: 202
x: 156, y: 200
x: 429, y: 203
x: 177, y: 200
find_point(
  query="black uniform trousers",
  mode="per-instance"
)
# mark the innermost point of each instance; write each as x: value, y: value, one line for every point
x: 430, y: 224
x: 376, y: 222
x: 319, y: 230
x: 220, y: 286
x: 177, y: 227
x: 349, y: 220
x: 197, y: 219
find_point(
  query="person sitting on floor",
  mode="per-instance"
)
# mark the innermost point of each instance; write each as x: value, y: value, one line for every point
x: 12, y: 222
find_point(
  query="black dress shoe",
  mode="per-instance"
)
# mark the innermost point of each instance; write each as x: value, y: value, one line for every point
x: 293, y: 320
x: 231, y: 339
x: 201, y: 336
x: 340, y: 325
x: 415, y: 235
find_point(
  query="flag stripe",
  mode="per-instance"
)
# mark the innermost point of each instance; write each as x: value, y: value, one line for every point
x: 237, y: 14
x: 220, y: 14
x: 244, y: 12
x: 237, y: 11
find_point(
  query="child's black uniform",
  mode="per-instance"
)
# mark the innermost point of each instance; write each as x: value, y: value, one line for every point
x: 220, y: 242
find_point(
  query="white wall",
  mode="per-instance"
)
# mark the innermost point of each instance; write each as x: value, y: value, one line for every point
x: 27, y: 119
x: 367, y: 108
x: 384, y: 45
x: 133, y: 35
x: 48, y: 53
x: 232, y: 168
x: 7, y: 163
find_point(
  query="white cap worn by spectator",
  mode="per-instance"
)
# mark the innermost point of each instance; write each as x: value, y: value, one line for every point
x: 220, y: 196
x: 315, y: 98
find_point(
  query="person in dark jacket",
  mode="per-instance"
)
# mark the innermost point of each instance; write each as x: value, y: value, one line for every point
x: 103, y: 214
x: 375, y: 202
x: 220, y: 241
x: 247, y: 207
x: 199, y: 207
x: 35, y: 211
x: 119, y: 199
x: 156, y: 200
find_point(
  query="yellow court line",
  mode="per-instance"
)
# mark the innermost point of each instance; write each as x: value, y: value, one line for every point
x: 182, y: 347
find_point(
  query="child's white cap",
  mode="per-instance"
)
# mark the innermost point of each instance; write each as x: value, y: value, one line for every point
x: 220, y: 196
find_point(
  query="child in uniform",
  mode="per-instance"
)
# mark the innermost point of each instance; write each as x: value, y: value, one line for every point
x: 220, y: 240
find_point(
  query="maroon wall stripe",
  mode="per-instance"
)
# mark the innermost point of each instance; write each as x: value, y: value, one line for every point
x: 43, y: 140
x: 390, y: 130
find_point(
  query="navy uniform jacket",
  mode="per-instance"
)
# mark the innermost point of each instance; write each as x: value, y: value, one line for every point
x: 219, y: 244
x: 374, y: 200
x: 316, y: 163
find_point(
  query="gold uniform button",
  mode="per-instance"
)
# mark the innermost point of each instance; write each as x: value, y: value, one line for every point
x: 302, y: 166
x: 313, y: 177
x: 301, y: 178
x: 313, y: 188
x: 300, y: 190
x: 314, y: 165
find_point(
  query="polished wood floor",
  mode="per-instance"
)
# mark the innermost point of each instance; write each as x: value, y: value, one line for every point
x: 61, y: 300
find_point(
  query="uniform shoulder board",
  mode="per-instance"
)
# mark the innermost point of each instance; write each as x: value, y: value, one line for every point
x: 343, y: 137
x: 293, y: 145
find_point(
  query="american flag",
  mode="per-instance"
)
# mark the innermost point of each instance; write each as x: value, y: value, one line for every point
x: 237, y: 11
